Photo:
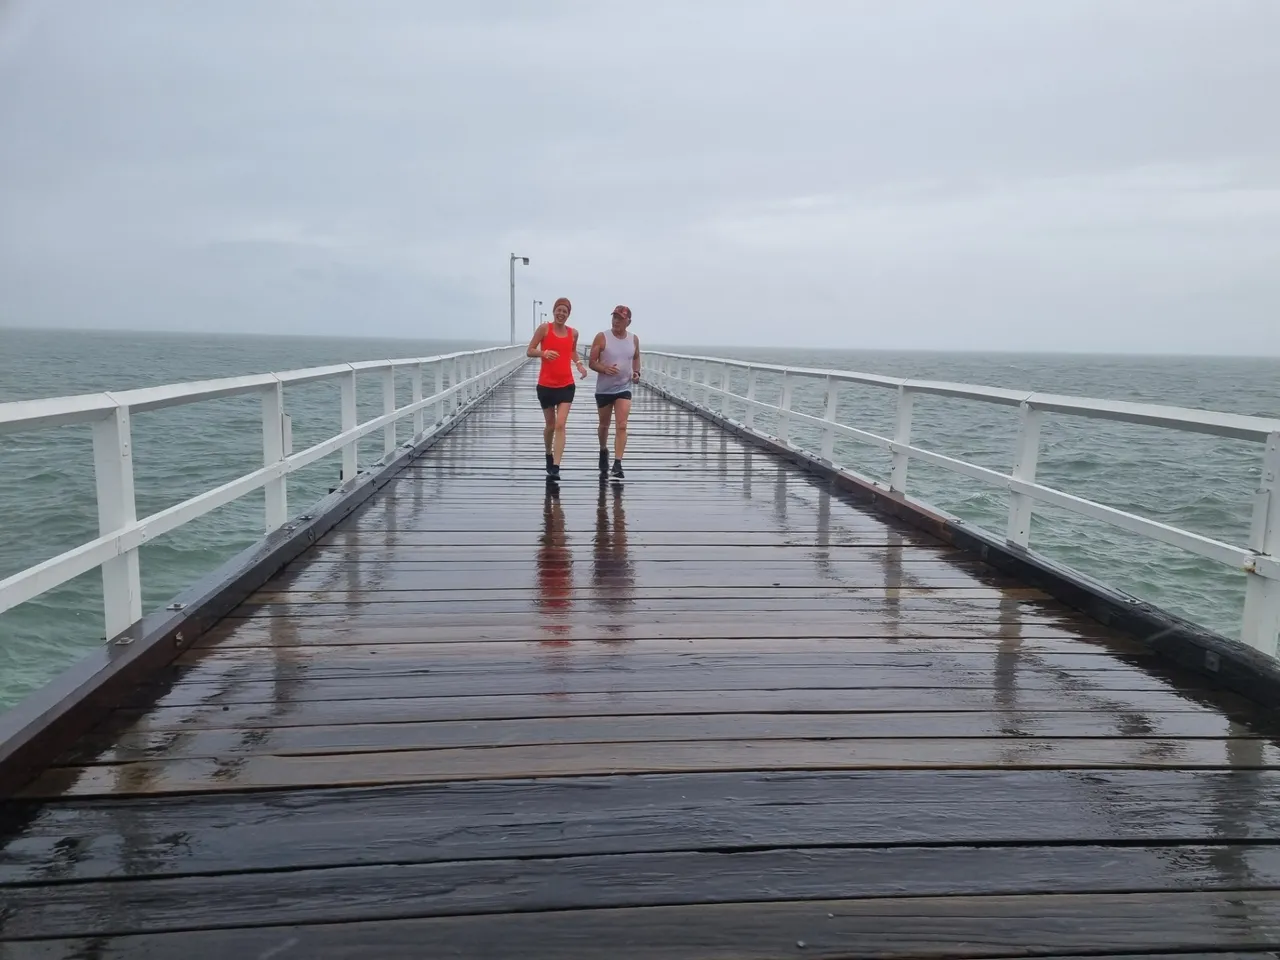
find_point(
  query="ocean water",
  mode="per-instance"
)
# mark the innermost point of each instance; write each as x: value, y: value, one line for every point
x: 47, y: 501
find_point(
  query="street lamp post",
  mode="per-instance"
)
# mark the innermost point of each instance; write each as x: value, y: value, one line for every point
x: 536, y: 305
x: 512, y: 266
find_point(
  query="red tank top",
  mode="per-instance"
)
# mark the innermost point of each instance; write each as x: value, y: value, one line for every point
x: 557, y: 372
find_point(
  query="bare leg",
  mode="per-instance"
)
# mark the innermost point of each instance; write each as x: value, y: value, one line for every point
x: 549, y: 414
x: 562, y: 418
x: 606, y: 414
x: 620, y: 431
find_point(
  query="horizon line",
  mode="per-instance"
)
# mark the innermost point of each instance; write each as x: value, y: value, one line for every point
x: 665, y: 346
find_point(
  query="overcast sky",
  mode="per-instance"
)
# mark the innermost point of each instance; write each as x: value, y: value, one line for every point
x: 1047, y: 175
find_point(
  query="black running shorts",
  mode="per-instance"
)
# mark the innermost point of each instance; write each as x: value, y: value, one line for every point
x: 606, y: 399
x: 554, y: 396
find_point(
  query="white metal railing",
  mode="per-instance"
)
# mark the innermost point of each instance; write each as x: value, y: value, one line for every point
x: 470, y: 374
x: 696, y: 379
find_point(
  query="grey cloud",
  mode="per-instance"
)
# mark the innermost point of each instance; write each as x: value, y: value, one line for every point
x: 1067, y: 174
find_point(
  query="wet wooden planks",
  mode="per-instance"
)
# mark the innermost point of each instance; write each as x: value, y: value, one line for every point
x: 715, y: 711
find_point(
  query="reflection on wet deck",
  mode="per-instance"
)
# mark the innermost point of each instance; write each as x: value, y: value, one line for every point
x: 714, y: 711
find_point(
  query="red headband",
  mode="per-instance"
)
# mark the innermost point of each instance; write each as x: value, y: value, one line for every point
x: 565, y: 301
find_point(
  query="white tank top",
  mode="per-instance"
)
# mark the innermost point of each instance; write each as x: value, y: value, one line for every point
x: 623, y: 353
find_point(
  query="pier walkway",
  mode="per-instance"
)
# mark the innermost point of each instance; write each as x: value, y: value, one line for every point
x: 720, y: 710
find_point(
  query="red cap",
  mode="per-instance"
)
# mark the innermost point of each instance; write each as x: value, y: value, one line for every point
x: 623, y: 312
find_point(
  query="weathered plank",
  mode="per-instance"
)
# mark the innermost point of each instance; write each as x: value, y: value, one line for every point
x: 576, y: 759
x: 217, y: 741
x: 212, y: 833
x: 326, y: 641
x: 987, y: 927
x: 379, y: 661
x: 394, y: 891
x: 556, y: 676
x: 1128, y: 709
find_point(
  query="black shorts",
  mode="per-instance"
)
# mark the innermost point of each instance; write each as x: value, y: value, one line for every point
x: 606, y: 399
x: 554, y: 396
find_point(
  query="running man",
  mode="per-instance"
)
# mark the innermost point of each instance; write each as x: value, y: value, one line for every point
x: 615, y: 356
x: 556, y: 344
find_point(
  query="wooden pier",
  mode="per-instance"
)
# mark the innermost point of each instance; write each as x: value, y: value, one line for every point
x: 719, y: 710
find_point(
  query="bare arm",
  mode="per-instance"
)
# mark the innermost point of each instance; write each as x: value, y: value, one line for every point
x: 597, y: 348
x: 577, y: 358
x: 535, y: 349
x: 635, y: 363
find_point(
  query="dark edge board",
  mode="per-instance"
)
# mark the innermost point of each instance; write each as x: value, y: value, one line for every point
x: 51, y: 718
x: 1230, y: 663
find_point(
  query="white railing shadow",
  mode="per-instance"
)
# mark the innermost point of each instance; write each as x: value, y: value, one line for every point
x: 471, y: 375
x: 696, y: 379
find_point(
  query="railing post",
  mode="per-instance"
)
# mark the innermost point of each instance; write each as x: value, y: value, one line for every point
x: 415, y: 387
x: 724, y: 389
x: 1261, y: 626
x: 439, y: 411
x: 784, y: 409
x: 750, y: 419
x: 1024, y: 468
x: 350, y: 450
x: 833, y: 402
x: 113, y: 472
x: 902, y: 435
x: 388, y: 406
x: 273, y: 452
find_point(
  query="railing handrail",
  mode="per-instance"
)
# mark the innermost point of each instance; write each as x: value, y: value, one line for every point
x: 16, y: 415
x: 1189, y: 419
x: 471, y: 374
x: 1259, y: 559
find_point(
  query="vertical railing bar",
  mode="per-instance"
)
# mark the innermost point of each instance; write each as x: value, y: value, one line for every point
x: 350, y: 450
x: 1025, y: 459
x: 415, y: 396
x: 1260, y: 627
x: 439, y: 411
x: 276, y: 494
x: 784, y: 409
x: 117, y: 508
x: 833, y: 402
x: 750, y: 416
x: 902, y: 436
x: 389, y: 407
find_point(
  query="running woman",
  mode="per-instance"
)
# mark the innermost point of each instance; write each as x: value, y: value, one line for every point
x: 615, y: 356
x: 556, y: 344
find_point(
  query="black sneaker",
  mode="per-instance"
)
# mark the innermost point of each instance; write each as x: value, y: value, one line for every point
x: 549, y: 463
x: 604, y: 464
x: 553, y: 471
x: 617, y: 470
